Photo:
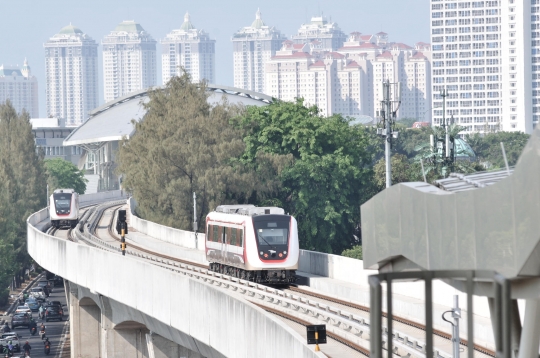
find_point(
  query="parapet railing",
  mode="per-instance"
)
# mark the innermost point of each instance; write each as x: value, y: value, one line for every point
x: 501, y: 294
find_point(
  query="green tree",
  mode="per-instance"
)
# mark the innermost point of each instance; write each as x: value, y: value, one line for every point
x: 403, y: 170
x: 407, y: 122
x: 488, y: 147
x: 328, y: 175
x: 22, y: 188
x: 355, y: 252
x: 64, y: 174
x: 185, y: 145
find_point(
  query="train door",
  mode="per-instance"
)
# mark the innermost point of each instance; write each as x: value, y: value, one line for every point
x: 223, y: 244
x: 226, y: 242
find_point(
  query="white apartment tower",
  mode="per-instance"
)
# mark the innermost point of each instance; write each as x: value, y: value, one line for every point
x: 19, y: 87
x: 484, y: 55
x: 71, y: 75
x: 346, y: 81
x: 253, y: 46
x: 190, y: 49
x: 320, y: 34
x: 330, y: 81
x: 129, y: 60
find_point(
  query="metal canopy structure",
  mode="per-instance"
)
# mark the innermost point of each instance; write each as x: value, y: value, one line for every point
x: 112, y: 121
x: 462, y: 182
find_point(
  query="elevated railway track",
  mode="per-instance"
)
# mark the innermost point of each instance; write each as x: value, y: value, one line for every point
x: 347, y: 323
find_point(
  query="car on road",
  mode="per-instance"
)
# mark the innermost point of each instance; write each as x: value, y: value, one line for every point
x: 54, y: 303
x: 58, y: 281
x: 20, y: 319
x: 33, y: 304
x: 37, y: 292
x: 45, y: 284
x: 13, y: 337
x: 24, y: 309
x: 54, y: 312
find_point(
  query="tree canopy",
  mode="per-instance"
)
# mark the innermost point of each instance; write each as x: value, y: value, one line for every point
x: 328, y: 174
x: 22, y: 188
x: 186, y: 145
x: 64, y: 174
x: 488, y: 147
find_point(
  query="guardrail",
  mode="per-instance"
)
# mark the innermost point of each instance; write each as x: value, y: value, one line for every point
x: 164, y: 233
x: 101, y: 196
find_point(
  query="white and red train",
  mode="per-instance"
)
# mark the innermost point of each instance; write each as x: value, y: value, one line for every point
x: 258, y: 244
x: 64, y: 208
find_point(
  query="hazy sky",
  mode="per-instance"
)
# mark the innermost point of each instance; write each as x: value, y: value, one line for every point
x: 27, y: 24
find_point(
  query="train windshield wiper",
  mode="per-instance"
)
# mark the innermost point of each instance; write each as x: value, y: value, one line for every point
x: 259, y: 235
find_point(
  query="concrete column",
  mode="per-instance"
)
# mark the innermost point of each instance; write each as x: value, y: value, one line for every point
x: 163, y: 348
x: 84, y: 326
x: 127, y: 339
x: 530, y: 335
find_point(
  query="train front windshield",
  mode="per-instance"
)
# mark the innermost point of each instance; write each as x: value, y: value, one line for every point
x: 272, y: 231
x: 62, y: 203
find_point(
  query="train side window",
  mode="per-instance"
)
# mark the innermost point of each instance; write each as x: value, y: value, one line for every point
x: 233, y: 237
x: 240, y: 237
x: 210, y: 232
x: 228, y: 236
x: 216, y: 233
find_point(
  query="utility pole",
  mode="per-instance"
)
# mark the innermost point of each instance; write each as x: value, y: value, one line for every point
x: 195, y: 226
x: 387, y: 113
x: 444, y: 146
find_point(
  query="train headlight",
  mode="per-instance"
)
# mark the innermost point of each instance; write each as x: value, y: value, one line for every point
x: 265, y: 255
x: 284, y: 252
x: 280, y: 254
x: 261, y: 253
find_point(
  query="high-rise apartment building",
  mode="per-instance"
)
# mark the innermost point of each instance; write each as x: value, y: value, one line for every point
x: 320, y: 34
x: 484, y: 55
x: 330, y: 81
x: 71, y: 75
x: 346, y: 81
x: 129, y: 60
x: 19, y: 87
x: 190, y: 49
x: 253, y: 46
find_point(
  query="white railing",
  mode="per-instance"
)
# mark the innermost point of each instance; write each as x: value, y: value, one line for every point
x: 164, y: 233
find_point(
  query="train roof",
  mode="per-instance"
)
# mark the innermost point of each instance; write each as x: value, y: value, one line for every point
x: 249, y: 210
x: 68, y: 191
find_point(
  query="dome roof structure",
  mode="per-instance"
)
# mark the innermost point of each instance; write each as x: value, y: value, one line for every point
x: 258, y: 23
x: 187, y: 25
x: 129, y: 26
x: 70, y: 30
x: 361, y: 119
x: 463, y: 150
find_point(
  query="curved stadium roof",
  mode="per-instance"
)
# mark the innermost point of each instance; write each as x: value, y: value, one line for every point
x: 112, y: 121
